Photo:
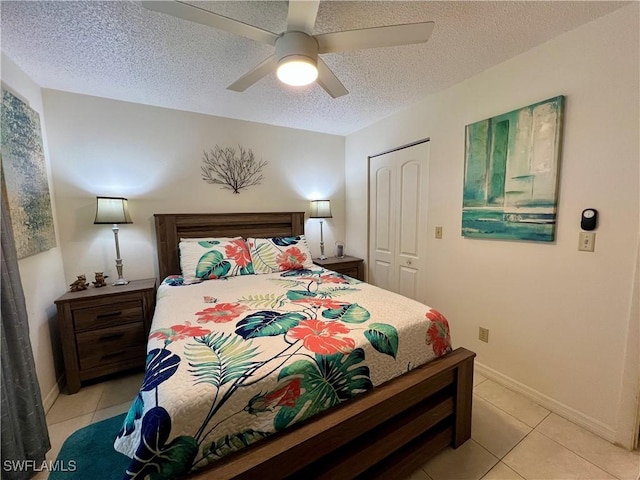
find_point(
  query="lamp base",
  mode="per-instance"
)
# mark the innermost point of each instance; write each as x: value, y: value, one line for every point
x: 322, y: 255
x: 120, y: 280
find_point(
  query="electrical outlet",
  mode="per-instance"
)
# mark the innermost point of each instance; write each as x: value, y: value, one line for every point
x: 587, y: 241
x: 483, y: 334
x: 438, y: 232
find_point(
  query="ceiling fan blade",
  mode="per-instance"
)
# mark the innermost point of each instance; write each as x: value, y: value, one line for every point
x: 328, y: 80
x: 205, y: 17
x: 252, y: 76
x: 388, y: 36
x: 302, y: 15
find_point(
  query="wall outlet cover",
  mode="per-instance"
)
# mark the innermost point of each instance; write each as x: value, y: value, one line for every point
x: 483, y: 334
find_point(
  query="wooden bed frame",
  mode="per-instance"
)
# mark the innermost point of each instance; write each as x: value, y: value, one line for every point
x: 385, y: 433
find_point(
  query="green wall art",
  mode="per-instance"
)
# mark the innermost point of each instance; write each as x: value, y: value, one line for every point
x: 511, y: 174
x: 25, y: 176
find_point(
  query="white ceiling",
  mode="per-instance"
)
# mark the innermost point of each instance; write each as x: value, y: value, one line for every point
x: 120, y: 50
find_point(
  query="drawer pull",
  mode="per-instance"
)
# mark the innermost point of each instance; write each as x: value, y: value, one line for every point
x: 113, y: 336
x: 112, y: 355
x: 109, y: 315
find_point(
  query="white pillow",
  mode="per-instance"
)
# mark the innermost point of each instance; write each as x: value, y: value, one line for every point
x: 214, y: 258
x: 279, y: 254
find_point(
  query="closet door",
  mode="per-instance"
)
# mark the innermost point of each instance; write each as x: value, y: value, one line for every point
x: 397, y: 222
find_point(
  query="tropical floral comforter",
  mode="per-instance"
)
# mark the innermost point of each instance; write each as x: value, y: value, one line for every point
x: 235, y: 360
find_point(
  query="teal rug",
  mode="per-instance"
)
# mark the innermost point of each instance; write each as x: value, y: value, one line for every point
x: 90, y: 451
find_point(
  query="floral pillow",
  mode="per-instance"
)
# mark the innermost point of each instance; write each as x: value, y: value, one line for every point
x: 279, y: 254
x: 209, y: 239
x: 214, y: 258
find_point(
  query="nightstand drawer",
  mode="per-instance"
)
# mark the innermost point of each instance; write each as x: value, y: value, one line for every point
x: 351, y: 266
x: 111, y: 345
x: 108, y: 315
x: 350, y: 272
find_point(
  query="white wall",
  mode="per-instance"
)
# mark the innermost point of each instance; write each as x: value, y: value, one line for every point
x: 42, y: 274
x: 558, y: 317
x: 153, y: 156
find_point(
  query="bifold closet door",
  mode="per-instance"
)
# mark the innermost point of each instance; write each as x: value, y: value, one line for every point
x: 397, y: 219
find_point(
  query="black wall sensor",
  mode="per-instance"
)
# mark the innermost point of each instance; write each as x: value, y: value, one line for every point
x: 589, y: 220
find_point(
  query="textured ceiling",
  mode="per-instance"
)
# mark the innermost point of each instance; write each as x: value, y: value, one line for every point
x: 120, y: 50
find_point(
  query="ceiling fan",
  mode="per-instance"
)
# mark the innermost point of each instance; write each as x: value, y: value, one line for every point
x: 296, y: 59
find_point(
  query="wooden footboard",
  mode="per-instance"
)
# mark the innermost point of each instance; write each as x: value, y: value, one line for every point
x: 385, y: 433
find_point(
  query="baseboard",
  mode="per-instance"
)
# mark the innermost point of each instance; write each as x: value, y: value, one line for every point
x: 53, y: 394
x: 559, y: 408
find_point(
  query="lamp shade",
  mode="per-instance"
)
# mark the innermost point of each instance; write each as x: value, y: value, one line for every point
x: 112, y: 210
x: 320, y: 209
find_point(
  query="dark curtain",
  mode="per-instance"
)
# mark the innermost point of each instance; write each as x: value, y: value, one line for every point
x: 25, y: 439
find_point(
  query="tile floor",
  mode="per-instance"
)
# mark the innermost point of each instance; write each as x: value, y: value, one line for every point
x: 91, y: 404
x: 512, y: 437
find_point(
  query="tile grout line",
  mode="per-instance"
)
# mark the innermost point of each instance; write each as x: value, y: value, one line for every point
x: 516, y: 418
x: 68, y: 419
x: 425, y: 472
x: 577, y: 454
x: 99, y: 400
x: 549, y: 412
x: 533, y: 429
x: 481, y: 382
x: 490, y: 453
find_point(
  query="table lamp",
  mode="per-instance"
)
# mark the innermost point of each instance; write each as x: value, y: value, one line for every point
x: 114, y: 210
x: 321, y: 209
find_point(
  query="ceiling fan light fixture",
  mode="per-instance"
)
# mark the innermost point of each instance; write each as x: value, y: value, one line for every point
x: 296, y: 57
x: 297, y: 70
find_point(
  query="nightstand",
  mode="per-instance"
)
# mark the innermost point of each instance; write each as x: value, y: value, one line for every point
x: 351, y: 266
x: 104, y: 330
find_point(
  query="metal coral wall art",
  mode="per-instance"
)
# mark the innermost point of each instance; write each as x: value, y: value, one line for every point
x: 25, y: 176
x: 232, y: 170
x: 511, y: 174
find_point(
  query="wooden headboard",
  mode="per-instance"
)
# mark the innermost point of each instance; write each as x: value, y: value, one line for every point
x: 171, y: 227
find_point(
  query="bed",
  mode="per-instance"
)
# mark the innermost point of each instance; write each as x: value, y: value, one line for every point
x: 381, y: 432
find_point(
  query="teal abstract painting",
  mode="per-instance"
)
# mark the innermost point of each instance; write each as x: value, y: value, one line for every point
x: 24, y: 174
x: 511, y: 174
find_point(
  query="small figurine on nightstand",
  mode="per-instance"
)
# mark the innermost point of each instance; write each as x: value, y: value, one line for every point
x: 79, y: 284
x: 100, y: 277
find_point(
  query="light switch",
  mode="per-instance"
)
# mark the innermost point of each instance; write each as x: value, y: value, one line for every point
x: 587, y: 241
